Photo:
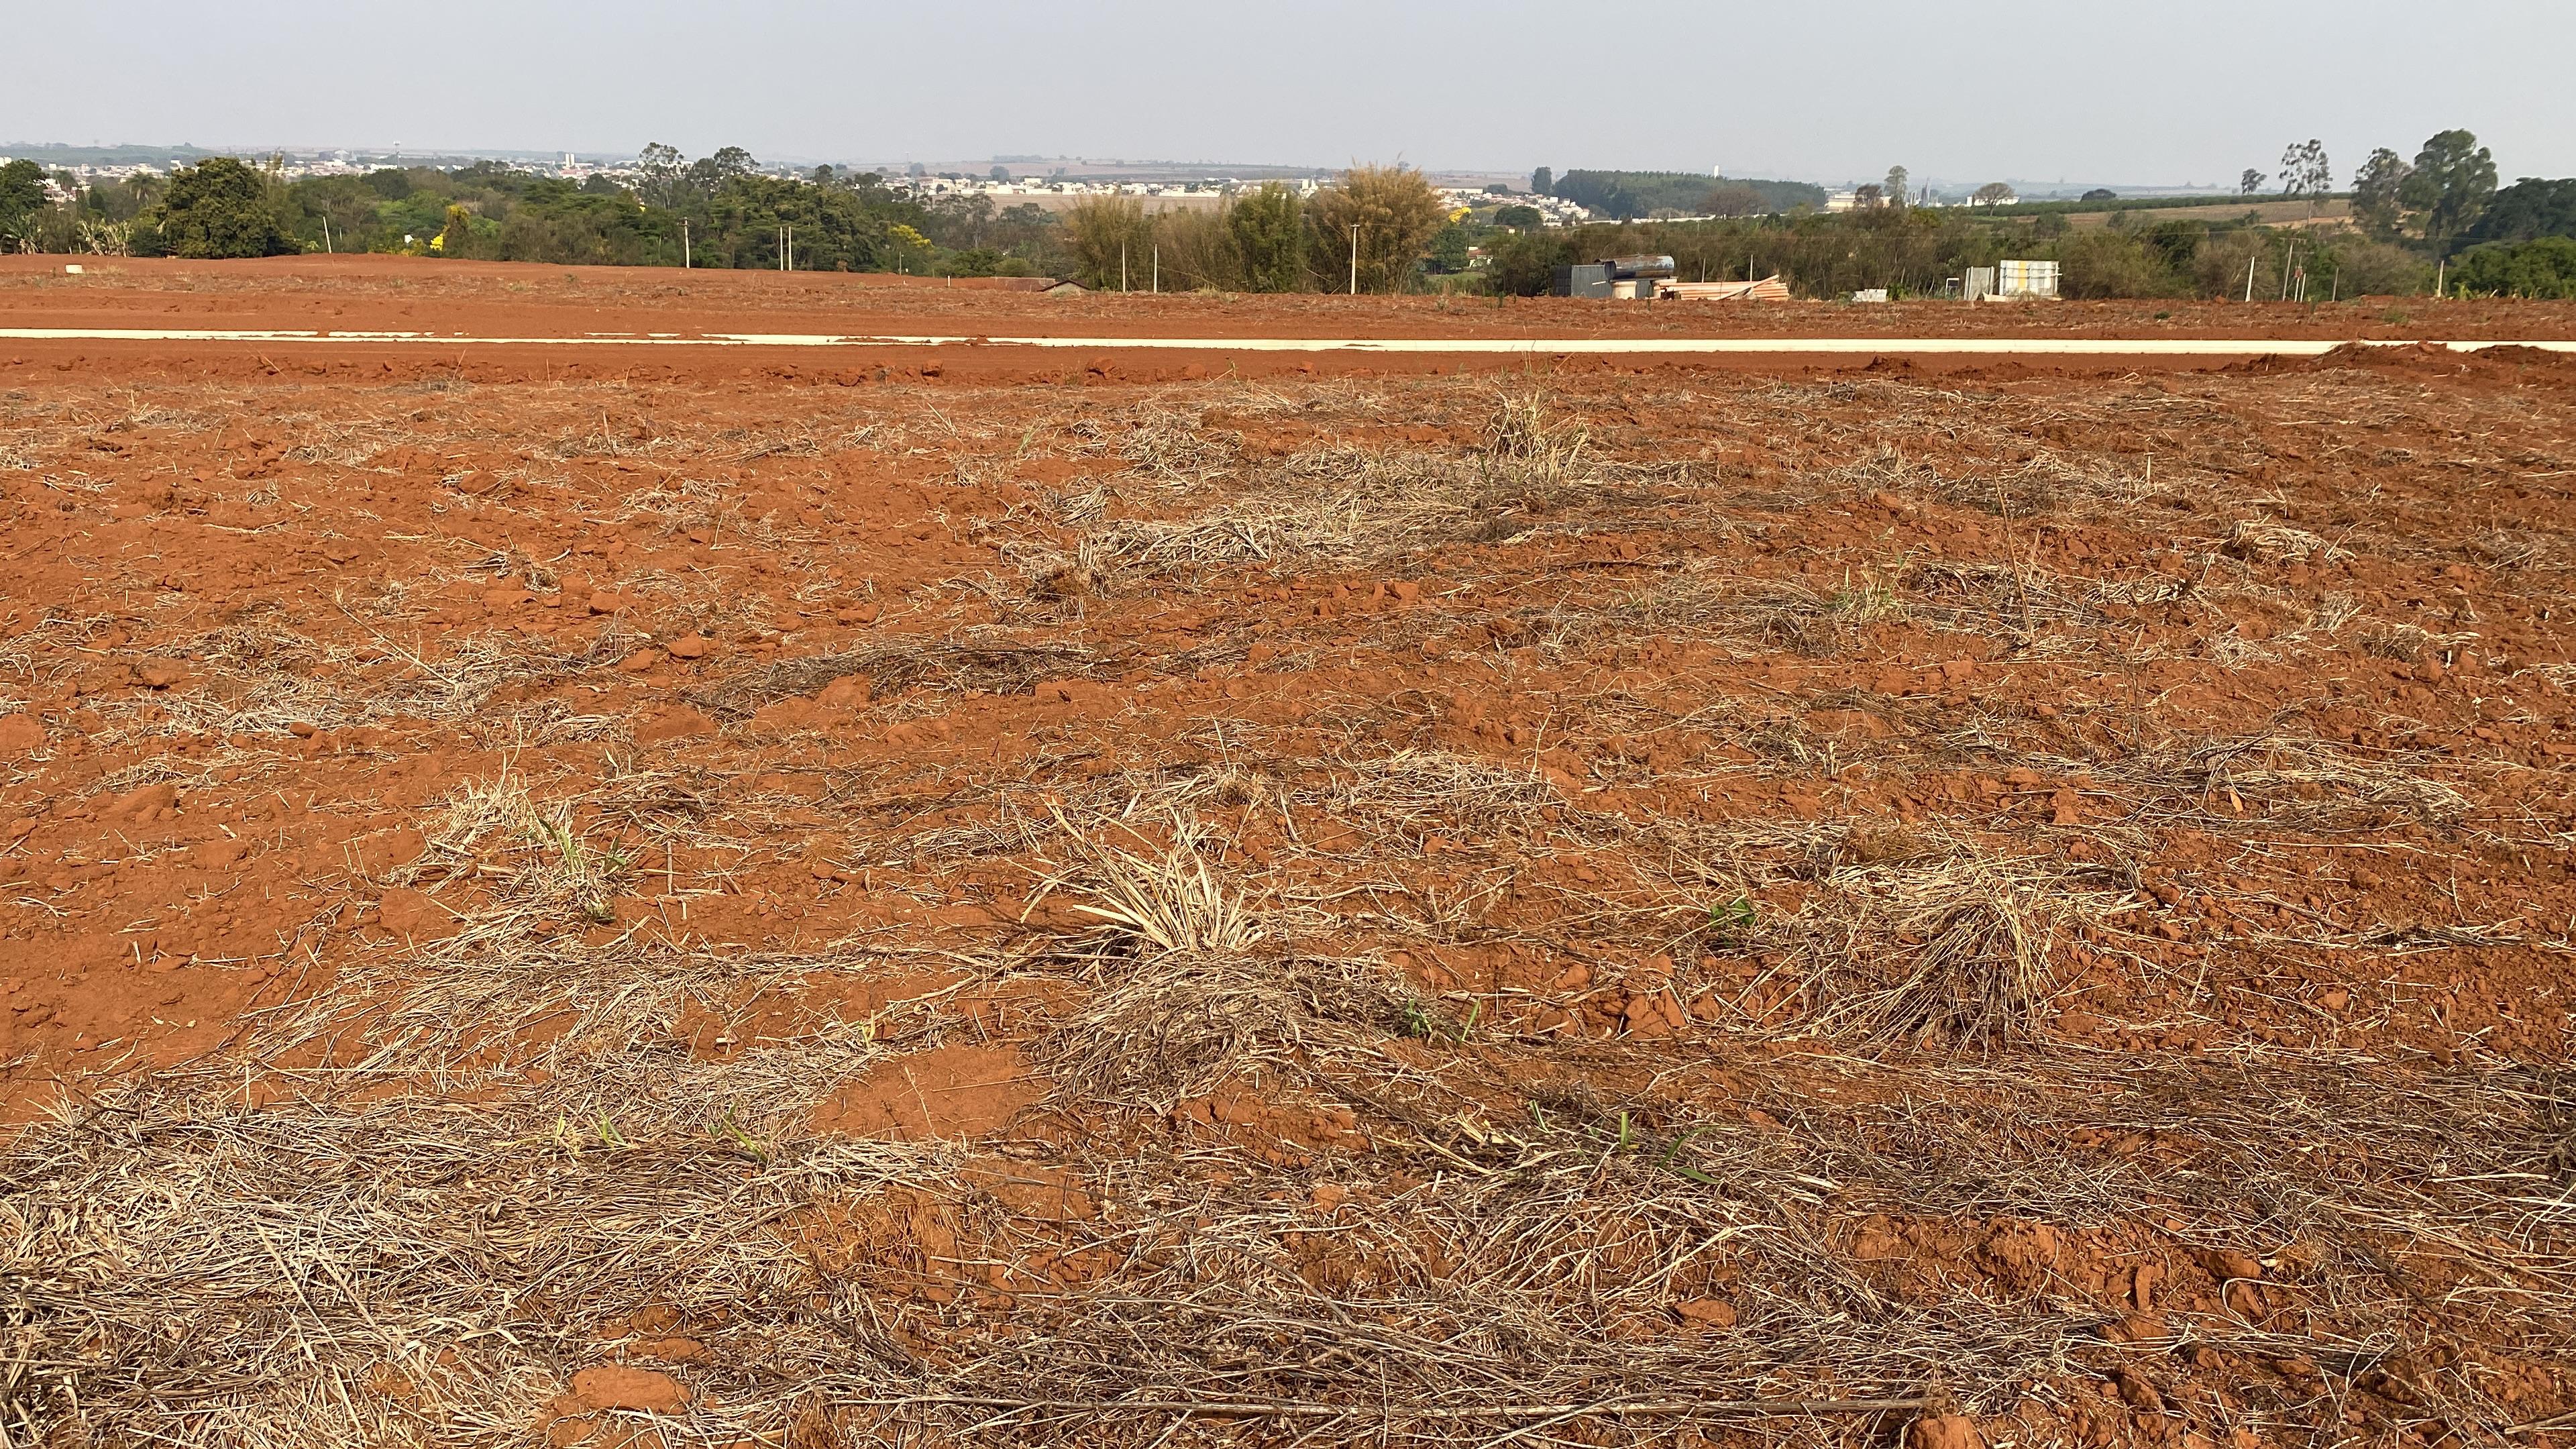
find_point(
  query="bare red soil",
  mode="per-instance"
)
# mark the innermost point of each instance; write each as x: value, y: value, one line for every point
x: 739, y: 898
x: 378, y: 293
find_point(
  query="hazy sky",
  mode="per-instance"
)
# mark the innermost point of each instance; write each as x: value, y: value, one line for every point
x: 2168, y: 91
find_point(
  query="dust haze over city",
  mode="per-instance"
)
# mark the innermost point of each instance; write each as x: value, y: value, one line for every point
x: 1145, y: 725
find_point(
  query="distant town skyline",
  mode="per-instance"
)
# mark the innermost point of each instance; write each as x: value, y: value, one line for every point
x: 2018, y: 91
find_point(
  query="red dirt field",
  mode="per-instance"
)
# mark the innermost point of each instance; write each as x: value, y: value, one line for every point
x: 380, y: 293
x: 743, y: 898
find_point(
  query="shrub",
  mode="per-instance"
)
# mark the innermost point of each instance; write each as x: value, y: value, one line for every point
x: 2108, y: 264
x: 2374, y: 269
x: 1267, y: 234
x: 1198, y: 250
x: 1525, y: 263
x: 2544, y: 268
x: 2218, y: 264
x: 1396, y: 212
x: 1099, y: 230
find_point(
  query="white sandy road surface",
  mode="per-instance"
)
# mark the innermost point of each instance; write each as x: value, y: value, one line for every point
x: 1511, y: 346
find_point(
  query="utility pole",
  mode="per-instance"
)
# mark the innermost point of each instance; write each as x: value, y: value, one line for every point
x: 326, y: 236
x: 1122, y: 264
x: 1158, y: 269
x: 684, y: 244
x: 2287, y: 262
x: 2439, y: 267
x: 1355, y: 259
x: 2249, y: 275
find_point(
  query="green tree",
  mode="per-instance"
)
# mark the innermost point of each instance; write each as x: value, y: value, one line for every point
x: 1733, y: 199
x: 660, y: 169
x: 2250, y: 182
x: 1525, y: 262
x: 2452, y: 180
x: 343, y: 208
x: 1993, y: 193
x: 2544, y: 268
x: 1110, y: 240
x: 1266, y: 234
x: 221, y: 208
x: 2378, y: 190
x: 22, y: 197
x: 1448, y: 249
x: 2529, y: 208
x: 1543, y: 181
x: 2108, y: 264
x: 456, y: 237
x: 2362, y: 268
x: 1374, y: 225
x: 1197, y: 250
x: 1518, y: 216
x: 1897, y: 180
x: 2304, y: 170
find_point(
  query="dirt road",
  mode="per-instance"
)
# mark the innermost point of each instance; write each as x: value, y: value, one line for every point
x: 1893, y: 346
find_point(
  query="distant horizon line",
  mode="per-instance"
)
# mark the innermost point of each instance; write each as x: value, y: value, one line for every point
x: 1020, y: 159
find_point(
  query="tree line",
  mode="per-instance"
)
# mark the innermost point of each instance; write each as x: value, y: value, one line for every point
x: 722, y: 210
x: 1379, y: 229
x: 2439, y: 218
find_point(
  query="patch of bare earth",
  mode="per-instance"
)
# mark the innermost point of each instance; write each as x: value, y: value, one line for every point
x: 746, y: 904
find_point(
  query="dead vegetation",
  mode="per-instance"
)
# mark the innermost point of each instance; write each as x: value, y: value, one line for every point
x: 1344, y: 1101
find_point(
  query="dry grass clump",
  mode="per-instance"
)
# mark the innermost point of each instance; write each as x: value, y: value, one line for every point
x: 1413, y: 794
x: 1068, y: 579
x: 2263, y: 541
x: 1168, y: 441
x: 1911, y: 936
x: 1530, y: 464
x: 2015, y: 603
x: 994, y: 666
x: 1707, y: 601
x: 1713, y: 601
x: 535, y: 932
x: 2406, y: 643
x: 2299, y: 778
x: 185, y: 1270
x: 2046, y: 484
x: 550, y: 866
x: 1349, y: 506
x: 1193, y: 988
x: 1180, y: 1024
x: 2508, y: 548
x: 259, y: 679
x: 1954, y: 948
x: 1150, y: 904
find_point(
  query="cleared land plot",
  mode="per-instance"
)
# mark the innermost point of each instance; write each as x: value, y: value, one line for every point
x: 742, y: 899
